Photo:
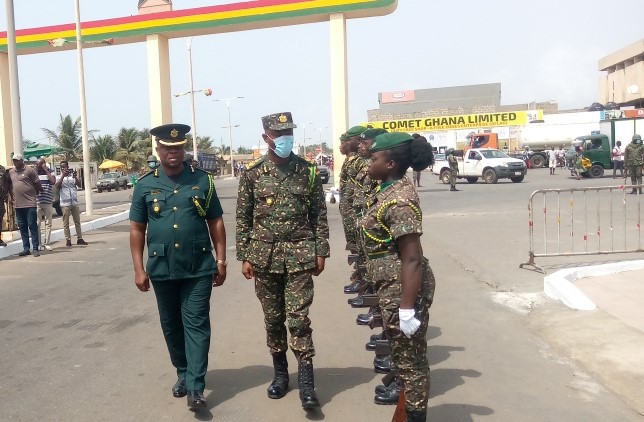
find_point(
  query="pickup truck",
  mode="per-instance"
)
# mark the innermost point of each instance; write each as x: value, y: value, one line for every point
x: 487, y: 163
x: 109, y: 181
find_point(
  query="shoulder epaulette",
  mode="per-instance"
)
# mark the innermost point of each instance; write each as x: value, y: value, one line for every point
x: 255, y: 163
x: 146, y: 174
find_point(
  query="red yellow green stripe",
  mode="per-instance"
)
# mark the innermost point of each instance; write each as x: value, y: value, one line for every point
x: 132, y: 28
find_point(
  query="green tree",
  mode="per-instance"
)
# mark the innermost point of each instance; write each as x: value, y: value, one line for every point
x: 67, y: 136
x: 102, y: 148
x: 128, y: 140
x: 244, y: 150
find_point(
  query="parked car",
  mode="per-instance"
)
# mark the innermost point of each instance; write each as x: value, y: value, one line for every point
x: 488, y: 164
x: 324, y: 173
x: 109, y: 181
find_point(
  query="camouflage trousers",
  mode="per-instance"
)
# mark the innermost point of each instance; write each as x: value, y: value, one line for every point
x: 452, y: 177
x: 287, y: 298
x: 409, y: 354
x: 636, y: 174
x: 348, y: 223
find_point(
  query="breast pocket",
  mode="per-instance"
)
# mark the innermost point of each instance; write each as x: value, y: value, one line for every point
x: 197, y: 202
x: 156, y: 204
x: 266, y: 200
x: 299, y: 198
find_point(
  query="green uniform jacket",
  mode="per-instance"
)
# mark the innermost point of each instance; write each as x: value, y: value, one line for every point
x: 281, y: 216
x: 178, y: 240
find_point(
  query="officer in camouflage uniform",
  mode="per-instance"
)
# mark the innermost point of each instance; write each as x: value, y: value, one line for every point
x: 4, y: 193
x: 178, y: 207
x: 453, y: 170
x: 282, y: 240
x: 634, y: 159
x: 391, y: 232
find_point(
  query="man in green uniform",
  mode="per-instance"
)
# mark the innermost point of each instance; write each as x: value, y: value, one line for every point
x: 453, y: 170
x: 282, y: 240
x: 179, y: 207
x: 634, y: 159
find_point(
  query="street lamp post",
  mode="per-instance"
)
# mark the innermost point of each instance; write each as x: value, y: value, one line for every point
x: 207, y: 92
x: 304, y: 135
x: 16, y: 118
x: 230, y: 130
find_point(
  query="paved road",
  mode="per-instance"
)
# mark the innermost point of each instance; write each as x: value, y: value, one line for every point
x: 79, y: 342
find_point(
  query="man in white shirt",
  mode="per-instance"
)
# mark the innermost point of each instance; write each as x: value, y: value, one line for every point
x: 552, y: 160
x: 618, y: 159
x: 67, y: 183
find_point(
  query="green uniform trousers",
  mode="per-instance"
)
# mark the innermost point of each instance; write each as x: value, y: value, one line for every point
x: 184, y: 310
x: 287, y: 296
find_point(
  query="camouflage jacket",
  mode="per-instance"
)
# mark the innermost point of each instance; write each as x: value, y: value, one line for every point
x: 281, y: 216
x: 453, y: 162
x: 344, y: 172
x: 354, y: 167
x: 394, y: 212
x: 634, y: 155
x: 364, y: 188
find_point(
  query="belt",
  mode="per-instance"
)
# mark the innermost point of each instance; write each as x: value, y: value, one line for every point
x: 381, y: 254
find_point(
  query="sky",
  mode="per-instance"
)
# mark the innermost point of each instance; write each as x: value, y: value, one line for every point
x: 539, y: 50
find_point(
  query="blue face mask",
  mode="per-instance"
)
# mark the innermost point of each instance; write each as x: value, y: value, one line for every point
x: 152, y: 165
x: 284, y: 145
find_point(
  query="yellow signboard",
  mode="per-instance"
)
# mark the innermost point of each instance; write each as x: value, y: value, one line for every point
x: 463, y: 121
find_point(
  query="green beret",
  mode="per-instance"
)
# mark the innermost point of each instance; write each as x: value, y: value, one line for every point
x: 355, y: 131
x: 344, y: 137
x: 372, y: 133
x: 389, y: 141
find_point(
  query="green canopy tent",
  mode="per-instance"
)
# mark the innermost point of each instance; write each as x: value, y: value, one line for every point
x: 34, y: 150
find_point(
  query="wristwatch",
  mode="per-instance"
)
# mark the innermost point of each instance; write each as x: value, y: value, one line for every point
x: 224, y: 263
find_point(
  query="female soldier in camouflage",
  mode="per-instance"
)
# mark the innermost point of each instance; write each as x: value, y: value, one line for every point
x: 391, y: 232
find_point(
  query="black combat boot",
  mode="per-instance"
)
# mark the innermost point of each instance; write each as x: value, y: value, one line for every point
x: 417, y: 416
x: 307, y: 386
x: 279, y: 385
x: 633, y: 191
x: 388, y: 395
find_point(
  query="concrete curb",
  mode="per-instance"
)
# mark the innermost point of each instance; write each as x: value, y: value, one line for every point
x: 15, y: 247
x: 560, y: 285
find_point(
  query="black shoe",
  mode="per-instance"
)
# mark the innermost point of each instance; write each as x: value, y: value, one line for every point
x: 196, y: 399
x: 371, y: 346
x: 179, y: 388
x: 390, y: 396
x: 24, y: 253
x: 68, y: 243
x: 279, y: 385
x: 364, y: 319
x: 307, y: 386
x: 35, y: 253
x: 2, y: 244
x: 352, y: 288
x: 81, y: 242
x: 382, y: 365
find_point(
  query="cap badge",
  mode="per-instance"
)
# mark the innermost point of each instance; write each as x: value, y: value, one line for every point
x: 282, y: 118
x: 174, y: 133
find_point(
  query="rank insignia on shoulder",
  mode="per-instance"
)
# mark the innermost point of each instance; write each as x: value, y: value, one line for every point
x: 269, y: 201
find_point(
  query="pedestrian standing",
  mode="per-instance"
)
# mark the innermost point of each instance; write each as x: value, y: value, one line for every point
x: 24, y: 190
x: 634, y: 159
x: 453, y: 169
x: 176, y: 211
x: 67, y: 183
x: 44, y: 201
x: 618, y: 159
x: 552, y: 160
x: 282, y: 241
x: 4, y: 196
x: 391, y: 231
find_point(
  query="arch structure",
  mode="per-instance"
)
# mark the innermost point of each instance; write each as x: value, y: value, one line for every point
x: 156, y: 23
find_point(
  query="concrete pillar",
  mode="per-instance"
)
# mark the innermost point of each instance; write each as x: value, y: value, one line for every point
x: 159, y: 81
x: 339, y: 89
x: 6, y: 132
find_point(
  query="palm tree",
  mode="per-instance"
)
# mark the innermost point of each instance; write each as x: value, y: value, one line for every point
x: 102, y: 148
x: 128, y: 141
x: 68, y: 137
x: 204, y: 143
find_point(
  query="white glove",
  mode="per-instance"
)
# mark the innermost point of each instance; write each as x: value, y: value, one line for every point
x: 408, y: 322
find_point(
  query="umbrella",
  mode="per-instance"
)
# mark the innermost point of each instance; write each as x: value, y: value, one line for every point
x: 34, y: 149
x: 110, y: 164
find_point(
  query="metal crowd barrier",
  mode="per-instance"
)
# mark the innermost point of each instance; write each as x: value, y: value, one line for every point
x: 584, y: 221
